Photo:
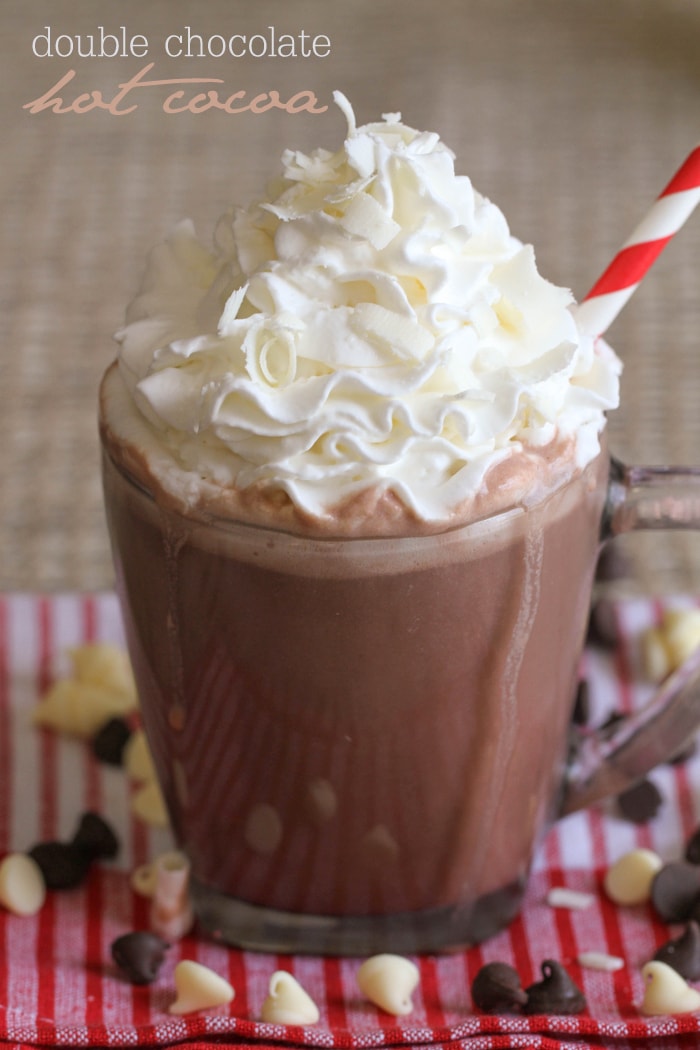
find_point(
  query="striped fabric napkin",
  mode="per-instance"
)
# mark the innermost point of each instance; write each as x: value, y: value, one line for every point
x: 58, y: 985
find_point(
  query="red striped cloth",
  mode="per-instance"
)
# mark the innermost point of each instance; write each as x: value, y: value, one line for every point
x: 57, y: 982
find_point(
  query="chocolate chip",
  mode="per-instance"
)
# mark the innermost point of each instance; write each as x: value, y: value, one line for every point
x: 692, y: 849
x: 674, y: 891
x: 683, y: 953
x: 641, y: 802
x: 95, y: 837
x: 139, y: 955
x: 602, y: 625
x: 109, y: 742
x: 582, y: 704
x: 62, y: 864
x: 496, y: 989
x: 555, y: 994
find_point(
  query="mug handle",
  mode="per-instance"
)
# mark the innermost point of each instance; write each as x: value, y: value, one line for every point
x: 607, y: 762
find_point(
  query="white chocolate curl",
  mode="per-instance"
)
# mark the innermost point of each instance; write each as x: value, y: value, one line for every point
x: 388, y: 981
x: 372, y: 326
x: 171, y: 914
x: 198, y: 988
x: 288, y: 1002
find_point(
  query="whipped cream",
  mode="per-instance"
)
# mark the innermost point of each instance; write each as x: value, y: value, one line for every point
x: 372, y: 325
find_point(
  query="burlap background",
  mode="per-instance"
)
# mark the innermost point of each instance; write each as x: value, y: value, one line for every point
x: 571, y: 114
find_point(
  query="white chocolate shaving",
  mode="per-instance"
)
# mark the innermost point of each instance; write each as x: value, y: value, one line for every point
x: 629, y: 879
x: 171, y: 914
x: 666, y: 992
x: 364, y: 217
x: 287, y: 1002
x: 563, y: 897
x: 396, y: 333
x: 198, y: 988
x: 22, y: 887
x: 388, y: 981
x: 600, y: 961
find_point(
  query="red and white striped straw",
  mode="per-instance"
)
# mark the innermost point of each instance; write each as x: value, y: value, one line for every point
x: 667, y: 214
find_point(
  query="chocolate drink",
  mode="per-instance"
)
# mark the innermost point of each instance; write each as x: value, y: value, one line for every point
x: 365, y: 728
x: 354, y: 477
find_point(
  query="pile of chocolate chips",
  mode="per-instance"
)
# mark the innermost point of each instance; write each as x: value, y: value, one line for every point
x: 497, y: 989
x: 675, y: 896
x: 110, y: 740
x: 66, y: 864
x: 643, y: 801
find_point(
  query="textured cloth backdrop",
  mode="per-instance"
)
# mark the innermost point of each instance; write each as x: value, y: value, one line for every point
x: 58, y: 985
x: 570, y: 116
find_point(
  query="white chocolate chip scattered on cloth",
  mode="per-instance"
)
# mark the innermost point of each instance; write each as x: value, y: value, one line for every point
x: 666, y: 992
x: 389, y: 981
x: 22, y: 886
x: 629, y: 879
x: 563, y: 897
x: 198, y: 988
x: 287, y: 1002
x: 666, y: 646
x: 101, y: 687
x: 148, y: 804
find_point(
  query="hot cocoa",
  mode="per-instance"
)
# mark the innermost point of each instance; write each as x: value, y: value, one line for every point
x: 354, y: 480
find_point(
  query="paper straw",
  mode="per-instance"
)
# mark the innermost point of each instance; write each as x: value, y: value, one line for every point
x: 667, y: 214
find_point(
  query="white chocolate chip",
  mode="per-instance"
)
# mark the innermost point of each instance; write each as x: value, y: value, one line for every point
x: 101, y: 687
x: 656, y: 658
x: 388, y: 981
x: 80, y: 708
x: 149, y: 806
x: 104, y: 664
x: 666, y: 647
x: 563, y: 897
x: 198, y: 988
x: 682, y: 631
x: 288, y: 1002
x: 666, y: 992
x: 600, y: 961
x: 137, y: 759
x: 629, y: 879
x: 263, y: 829
x: 22, y: 887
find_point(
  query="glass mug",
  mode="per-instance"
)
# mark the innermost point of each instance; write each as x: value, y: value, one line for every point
x: 361, y: 742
